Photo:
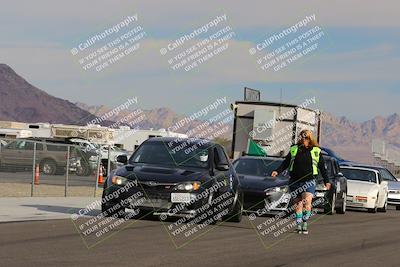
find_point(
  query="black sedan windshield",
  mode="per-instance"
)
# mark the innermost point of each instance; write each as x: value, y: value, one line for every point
x: 160, y: 153
x: 256, y: 167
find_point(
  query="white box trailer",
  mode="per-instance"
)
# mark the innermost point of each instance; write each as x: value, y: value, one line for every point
x: 273, y: 126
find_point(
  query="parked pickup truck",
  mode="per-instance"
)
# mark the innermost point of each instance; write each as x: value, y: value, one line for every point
x: 18, y: 155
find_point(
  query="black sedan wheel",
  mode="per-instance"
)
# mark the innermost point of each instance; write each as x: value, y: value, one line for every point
x: 237, y: 212
x: 108, y: 210
x: 342, y: 209
x: 330, y: 205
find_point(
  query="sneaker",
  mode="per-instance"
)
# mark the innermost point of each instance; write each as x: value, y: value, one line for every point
x: 305, y: 228
x: 298, y: 229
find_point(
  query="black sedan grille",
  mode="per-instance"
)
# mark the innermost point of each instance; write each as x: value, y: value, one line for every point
x: 159, y: 191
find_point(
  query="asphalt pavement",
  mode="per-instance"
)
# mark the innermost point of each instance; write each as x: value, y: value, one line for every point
x: 353, y: 239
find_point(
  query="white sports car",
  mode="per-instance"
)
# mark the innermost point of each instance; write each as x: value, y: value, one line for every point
x: 365, y: 189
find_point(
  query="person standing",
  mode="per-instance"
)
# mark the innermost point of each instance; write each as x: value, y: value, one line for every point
x: 304, y: 162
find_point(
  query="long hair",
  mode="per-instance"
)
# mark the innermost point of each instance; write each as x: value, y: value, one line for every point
x: 308, y: 135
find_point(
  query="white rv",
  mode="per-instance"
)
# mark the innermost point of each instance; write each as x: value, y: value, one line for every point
x: 130, y: 139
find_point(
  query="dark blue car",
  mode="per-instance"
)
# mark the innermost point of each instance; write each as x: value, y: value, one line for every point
x: 262, y: 193
x: 331, y: 153
x: 265, y: 195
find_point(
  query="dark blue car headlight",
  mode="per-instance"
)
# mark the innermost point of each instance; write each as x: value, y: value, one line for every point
x: 273, y: 190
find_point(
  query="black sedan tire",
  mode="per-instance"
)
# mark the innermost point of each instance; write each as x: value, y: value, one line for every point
x: 342, y: 209
x: 106, y: 206
x: 329, y: 208
x: 237, y: 212
x: 105, y: 210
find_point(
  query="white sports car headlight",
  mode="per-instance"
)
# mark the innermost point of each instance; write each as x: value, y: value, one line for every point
x: 394, y: 191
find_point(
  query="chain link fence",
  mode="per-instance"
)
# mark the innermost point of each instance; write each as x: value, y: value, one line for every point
x: 49, y: 168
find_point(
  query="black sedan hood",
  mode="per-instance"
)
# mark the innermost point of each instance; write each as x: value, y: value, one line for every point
x: 159, y: 174
x: 257, y: 183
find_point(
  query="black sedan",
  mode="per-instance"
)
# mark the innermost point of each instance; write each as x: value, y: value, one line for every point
x: 175, y: 177
x: 262, y: 193
x: 333, y: 200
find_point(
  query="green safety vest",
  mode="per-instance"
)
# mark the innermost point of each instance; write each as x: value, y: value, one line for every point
x: 315, y: 152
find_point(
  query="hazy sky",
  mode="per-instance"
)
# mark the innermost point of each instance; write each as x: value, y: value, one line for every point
x: 353, y: 72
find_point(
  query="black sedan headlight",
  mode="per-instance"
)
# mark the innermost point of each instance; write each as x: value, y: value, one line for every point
x: 119, y: 180
x: 188, y: 186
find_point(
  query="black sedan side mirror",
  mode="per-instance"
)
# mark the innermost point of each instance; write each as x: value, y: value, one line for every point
x: 222, y: 167
x: 122, y: 159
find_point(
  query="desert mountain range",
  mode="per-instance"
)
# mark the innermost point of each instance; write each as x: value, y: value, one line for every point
x: 21, y: 101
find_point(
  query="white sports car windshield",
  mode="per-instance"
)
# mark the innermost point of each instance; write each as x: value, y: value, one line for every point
x: 359, y: 175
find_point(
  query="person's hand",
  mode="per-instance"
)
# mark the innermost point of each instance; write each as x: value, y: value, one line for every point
x: 274, y: 174
x: 328, y: 186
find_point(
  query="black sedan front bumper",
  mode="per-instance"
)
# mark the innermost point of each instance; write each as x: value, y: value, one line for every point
x: 157, y: 200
